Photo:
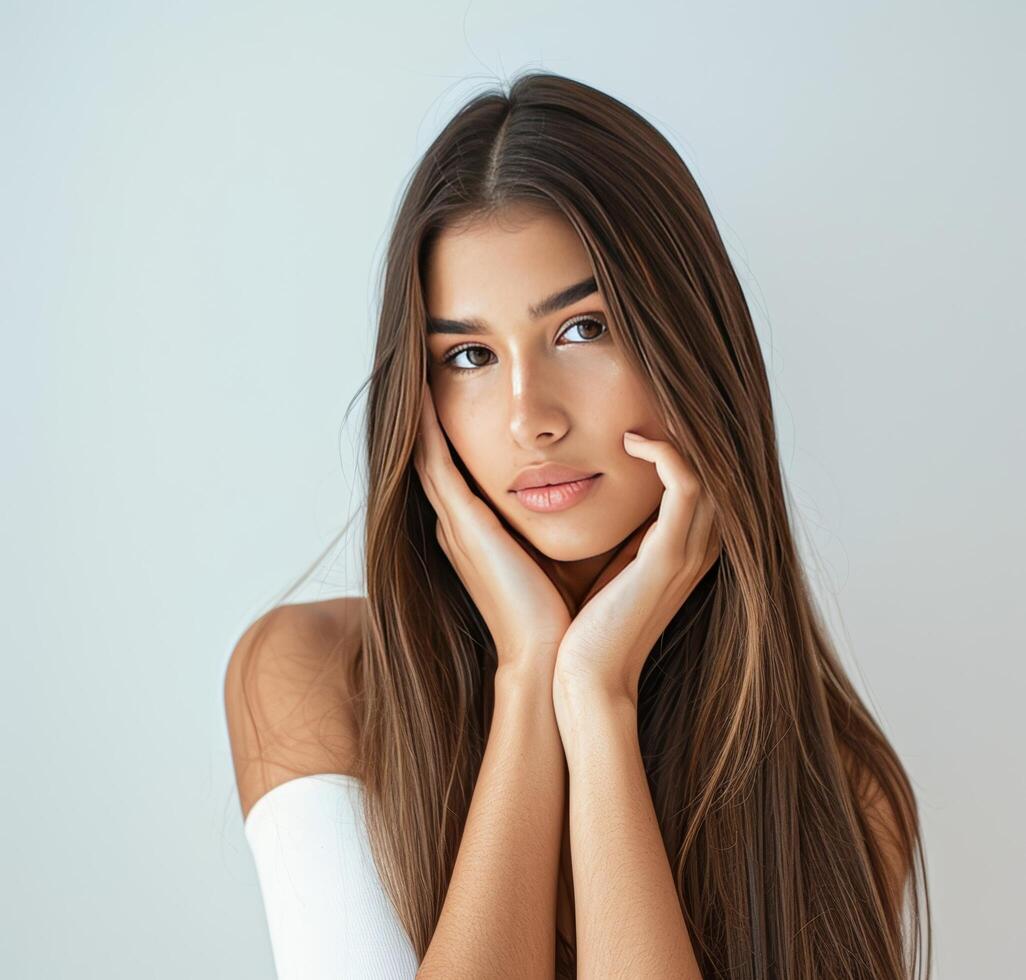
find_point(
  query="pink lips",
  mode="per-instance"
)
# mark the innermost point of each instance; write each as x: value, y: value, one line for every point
x: 556, y: 496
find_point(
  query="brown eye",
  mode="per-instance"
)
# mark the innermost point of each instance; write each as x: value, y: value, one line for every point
x: 587, y: 324
x: 477, y: 356
x: 469, y: 349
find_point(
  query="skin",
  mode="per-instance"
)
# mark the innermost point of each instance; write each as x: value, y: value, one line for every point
x: 539, y: 390
x: 574, y: 601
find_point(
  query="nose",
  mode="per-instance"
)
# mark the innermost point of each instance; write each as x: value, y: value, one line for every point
x: 537, y: 414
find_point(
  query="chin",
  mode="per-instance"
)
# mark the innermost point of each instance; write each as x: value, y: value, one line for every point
x: 579, y: 533
x: 574, y: 543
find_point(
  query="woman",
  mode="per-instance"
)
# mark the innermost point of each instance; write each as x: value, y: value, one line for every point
x: 597, y: 728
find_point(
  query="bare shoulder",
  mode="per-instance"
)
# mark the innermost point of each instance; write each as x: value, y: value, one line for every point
x: 288, y: 692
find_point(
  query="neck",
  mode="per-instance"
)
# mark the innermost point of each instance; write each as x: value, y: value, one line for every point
x: 575, y: 578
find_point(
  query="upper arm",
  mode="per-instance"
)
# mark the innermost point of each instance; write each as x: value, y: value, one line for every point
x: 288, y: 698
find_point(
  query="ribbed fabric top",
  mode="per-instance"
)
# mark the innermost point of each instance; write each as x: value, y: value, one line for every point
x: 327, y: 912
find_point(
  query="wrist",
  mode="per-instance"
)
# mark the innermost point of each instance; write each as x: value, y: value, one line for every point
x: 587, y: 713
x: 573, y: 684
x: 531, y: 672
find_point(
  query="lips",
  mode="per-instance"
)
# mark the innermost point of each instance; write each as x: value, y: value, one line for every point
x: 557, y: 496
x: 548, y: 474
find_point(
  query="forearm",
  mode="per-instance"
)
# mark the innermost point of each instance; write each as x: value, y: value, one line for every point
x: 629, y: 921
x: 499, y: 914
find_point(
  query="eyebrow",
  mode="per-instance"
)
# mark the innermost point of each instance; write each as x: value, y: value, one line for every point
x: 556, y: 301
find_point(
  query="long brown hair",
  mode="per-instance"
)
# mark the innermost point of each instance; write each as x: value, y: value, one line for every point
x: 757, y: 747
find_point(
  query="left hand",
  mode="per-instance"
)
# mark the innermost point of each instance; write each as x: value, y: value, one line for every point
x: 633, y: 601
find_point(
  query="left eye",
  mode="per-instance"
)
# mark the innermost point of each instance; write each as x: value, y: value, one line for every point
x: 588, y: 322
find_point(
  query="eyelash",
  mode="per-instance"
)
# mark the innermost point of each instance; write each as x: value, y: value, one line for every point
x: 471, y: 370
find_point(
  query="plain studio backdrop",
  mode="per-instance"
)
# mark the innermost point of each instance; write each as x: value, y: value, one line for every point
x: 194, y: 202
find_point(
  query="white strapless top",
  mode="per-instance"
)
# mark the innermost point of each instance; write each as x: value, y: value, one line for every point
x: 327, y: 912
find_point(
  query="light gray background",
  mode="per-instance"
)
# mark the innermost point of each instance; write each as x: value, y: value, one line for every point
x: 195, y: 199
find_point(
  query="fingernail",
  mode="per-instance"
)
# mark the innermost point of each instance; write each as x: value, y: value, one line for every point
x: 632, y: 435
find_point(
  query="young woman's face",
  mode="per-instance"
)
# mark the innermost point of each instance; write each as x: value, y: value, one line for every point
x: 513, y: 389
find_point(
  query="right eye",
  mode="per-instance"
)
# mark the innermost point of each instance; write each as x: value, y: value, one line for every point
x: 453, y: 354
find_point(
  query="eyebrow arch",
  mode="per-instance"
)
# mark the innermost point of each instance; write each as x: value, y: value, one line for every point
x: 549, y: 305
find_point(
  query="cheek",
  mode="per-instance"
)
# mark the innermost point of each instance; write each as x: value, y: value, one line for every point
x: 628, y: 406
x: 469, y: 438
x: 649, y: 488
x: 624, y: 402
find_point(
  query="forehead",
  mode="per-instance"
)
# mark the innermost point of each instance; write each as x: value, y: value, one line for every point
x: 504, y: 261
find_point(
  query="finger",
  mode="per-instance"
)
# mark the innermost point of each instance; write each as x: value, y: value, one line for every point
x: 430, y: 489
x: 680, y: 495
x: 443, y: 541
x: 425, y: 461
x: 438, y: 463
x: 702, y: 545
x: 628, y: 551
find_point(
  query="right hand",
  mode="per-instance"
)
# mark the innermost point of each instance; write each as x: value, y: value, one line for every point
x: 524, y: 610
